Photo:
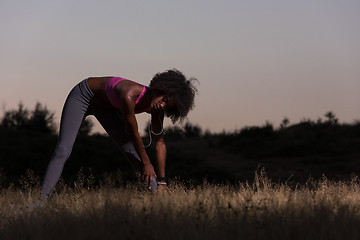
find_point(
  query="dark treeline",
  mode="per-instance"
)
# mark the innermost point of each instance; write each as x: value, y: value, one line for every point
x: 290, y: 152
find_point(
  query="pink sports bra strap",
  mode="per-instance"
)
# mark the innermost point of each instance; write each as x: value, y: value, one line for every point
x: 141, y: 95
x: 111, y: 95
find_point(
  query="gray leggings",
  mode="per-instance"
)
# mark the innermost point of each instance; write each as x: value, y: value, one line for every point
x: 79, y: 104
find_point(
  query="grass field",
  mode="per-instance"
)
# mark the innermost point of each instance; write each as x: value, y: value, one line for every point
x: 259, y: 210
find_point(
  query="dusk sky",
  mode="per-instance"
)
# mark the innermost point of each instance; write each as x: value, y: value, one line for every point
x: 256, y: 61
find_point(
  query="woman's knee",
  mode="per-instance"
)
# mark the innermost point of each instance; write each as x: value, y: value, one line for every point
x: 62, y: 152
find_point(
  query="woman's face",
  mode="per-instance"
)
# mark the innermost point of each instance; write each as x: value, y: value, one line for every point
x: 162, y: 103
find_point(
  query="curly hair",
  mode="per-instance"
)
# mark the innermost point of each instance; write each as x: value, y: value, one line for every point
x: 174, y: 84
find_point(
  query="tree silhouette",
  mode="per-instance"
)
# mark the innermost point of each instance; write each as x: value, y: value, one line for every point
x: 285, y: 122
x: 40, y: 119
x: 16, y: 119
x: 86, y: 127
x: 331, y: 119
x: 192, y: 130
x: 176, y: 132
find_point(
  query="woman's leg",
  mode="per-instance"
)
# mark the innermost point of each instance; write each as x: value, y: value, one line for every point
x: 113, y: 123
x: 74, y: 112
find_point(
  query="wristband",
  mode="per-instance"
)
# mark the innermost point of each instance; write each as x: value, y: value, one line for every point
x: 161, y: 183
x: 160, y: 179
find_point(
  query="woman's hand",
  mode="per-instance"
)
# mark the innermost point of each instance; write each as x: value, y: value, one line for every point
x: 148, y: 174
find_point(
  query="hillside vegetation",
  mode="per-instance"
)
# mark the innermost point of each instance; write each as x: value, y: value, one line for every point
x: 290, y: 152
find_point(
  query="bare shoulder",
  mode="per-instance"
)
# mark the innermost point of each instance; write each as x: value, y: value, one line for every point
x: 128, y: 90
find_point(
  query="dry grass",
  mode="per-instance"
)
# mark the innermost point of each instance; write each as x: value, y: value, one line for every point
x: 263, y: 210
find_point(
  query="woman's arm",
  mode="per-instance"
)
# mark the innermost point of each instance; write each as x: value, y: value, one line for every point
x: 157, y: 119
x: 128, y: 107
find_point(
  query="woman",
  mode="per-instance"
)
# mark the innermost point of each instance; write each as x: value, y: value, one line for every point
x: 114, y: 102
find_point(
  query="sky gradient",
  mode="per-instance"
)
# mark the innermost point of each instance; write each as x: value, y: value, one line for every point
x: 256, y: 61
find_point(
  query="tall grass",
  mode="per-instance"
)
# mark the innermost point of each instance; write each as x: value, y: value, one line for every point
x: 261, y: 210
